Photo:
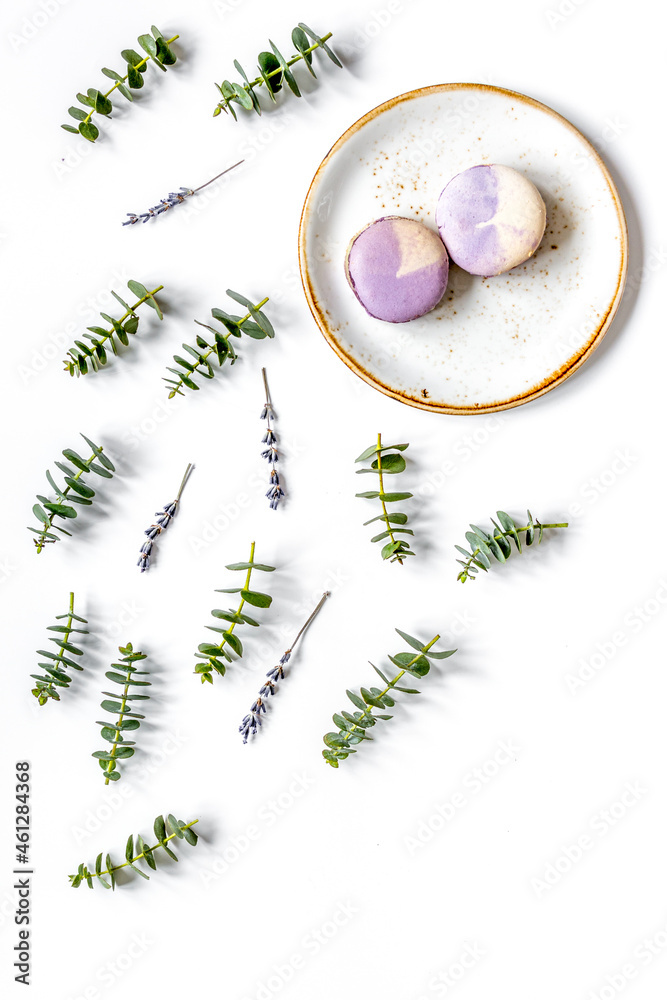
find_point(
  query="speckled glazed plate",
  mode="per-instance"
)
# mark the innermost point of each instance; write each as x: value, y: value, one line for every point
x: 491, y: 343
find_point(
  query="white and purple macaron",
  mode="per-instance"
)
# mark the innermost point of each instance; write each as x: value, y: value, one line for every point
x: 491, y: 219
x: 397, y: 268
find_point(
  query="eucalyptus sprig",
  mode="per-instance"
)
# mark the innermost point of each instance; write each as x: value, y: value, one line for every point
x: 353, y: 726
x: 388, y: 461
x: 47, y: 686
x: 165, y: 829
x: 83, y: 358
x: 212, y: 654
x: 76, y: 491
x: 253, y: 720
x: 157, y: 49
x: 254, y: 324
x: 274, y: 70
x: 485, y: 546
x: 121, y: 748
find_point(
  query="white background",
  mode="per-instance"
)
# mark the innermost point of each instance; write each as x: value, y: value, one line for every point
x: 288, y: 845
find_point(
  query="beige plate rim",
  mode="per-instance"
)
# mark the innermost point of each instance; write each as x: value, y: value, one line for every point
x: 557, y: 376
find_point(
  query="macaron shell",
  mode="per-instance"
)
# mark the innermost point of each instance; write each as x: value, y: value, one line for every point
x: 397, y: 268
x: 491, y: 219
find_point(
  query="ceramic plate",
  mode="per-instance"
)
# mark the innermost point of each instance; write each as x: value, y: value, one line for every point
x: 491, y: 343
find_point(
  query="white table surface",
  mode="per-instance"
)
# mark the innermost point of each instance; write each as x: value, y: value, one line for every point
x: 309, y: 882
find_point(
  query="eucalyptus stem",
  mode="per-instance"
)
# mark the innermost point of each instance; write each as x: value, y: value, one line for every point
x: 83, y: 358
x: 274, y: 71
x: 56, y: 664
x: 385, y: 512
x: 394, y: 681
x: 246, y: 586
x: 497, y: 535
x: 210, y: 653
x: 111, y: 765
x: 254, y: 324
x: 127, y: 720
x: 124, y: 78
x: 156, y: 47
x: 387, y: 460
x: 42, y: 539
x: 131, y: 311
x: 484, y: 546
x: 352, y: 728
x: 212, y: 350
x: 290, y: 62
x: 165, y: 829
x: 138, y: 857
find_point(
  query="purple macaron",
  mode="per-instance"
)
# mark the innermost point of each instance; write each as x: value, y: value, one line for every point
x: 491, y: 219
x: 397, y: 268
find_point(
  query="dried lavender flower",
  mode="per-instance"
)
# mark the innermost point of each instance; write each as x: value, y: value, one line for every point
x: 275, y: 491
x: 253, y: 720
x: 173, y: 199
x: 164, y: 518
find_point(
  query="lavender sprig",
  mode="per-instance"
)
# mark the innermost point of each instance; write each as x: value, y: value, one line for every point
x: 173, y: 199
x: 275, y: 491
x: 164, y: 518
x: 253, y: 720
